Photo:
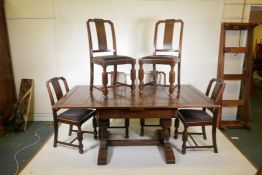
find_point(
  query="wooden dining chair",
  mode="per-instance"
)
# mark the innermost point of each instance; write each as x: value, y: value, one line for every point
x: 102, y: 54
x: 167, y: 51
x: 73, y: 117
x: 194, y: 117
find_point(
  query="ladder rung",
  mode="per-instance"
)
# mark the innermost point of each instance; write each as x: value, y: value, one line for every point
x: 232, y: 102
x: 238, y: 26
x: 234, y: 124
x: 235, y: 49
x: 234, y: 77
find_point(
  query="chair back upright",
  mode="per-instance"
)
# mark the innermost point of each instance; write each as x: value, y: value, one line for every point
x: 100, y: 28
x: 170, y: 26
x: 55, y: 90
x: 217, y: 86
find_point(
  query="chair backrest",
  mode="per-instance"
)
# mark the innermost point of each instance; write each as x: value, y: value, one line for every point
x: 55, y: 90
x: 171, y: 37
x: 217, y: 86
x: 99, y: 32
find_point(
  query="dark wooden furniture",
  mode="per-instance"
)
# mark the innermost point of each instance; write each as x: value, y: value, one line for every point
x: 259, y: 50
x: 194, y: 117
x: 257, y: 62
x: 25, y: 97
x: 259, y: 171
x: 7, y: 84
x: 154, y: 103
x: 123, y: 80
x: 22, y: 106
x: 105, y: 56
x: 73, y: 117
x: 245, y: 77
x: 157, y: 76
x: 166, y: 53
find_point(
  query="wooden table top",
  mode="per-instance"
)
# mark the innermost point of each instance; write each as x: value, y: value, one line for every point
x: 120, y: 98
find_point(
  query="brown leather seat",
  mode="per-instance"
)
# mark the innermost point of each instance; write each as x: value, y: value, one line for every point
x: 112, y: 60
x: 109, y: 57
x: 73, y: 117
x: 194, y: 117
x: 160, y: 59
x: 167, y: 52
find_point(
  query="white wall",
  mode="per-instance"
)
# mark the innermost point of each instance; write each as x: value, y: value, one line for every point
x: 48, y: 38
x: 31, y: 28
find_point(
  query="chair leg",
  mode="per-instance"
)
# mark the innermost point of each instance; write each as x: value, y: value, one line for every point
x: 142, y: 124
x: 176, y: 128
x: 178, y: 74
x: 80, y: 138
x: 127, y: 127
x: 154, y: 74
x: 115, y: 75
x: 141, y: 78
x: 55, y: 133
x: 95, y: 126
x: 91, y: 76
x: 184, y: 138
x: 214, y: 139
x: 70, y: 130
x: 204, y: 132
x: 133, y: 78
x: 105, y: 81
x: 171, y: 80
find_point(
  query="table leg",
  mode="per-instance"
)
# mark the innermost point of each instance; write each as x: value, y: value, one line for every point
x: 168, y: 152
x: 102, y: 154
x: 141, y: 78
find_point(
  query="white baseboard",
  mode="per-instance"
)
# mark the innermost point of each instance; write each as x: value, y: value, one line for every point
x: 41, y: 117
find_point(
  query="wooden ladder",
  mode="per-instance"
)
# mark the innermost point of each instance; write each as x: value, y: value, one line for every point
x: 245, y: 77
